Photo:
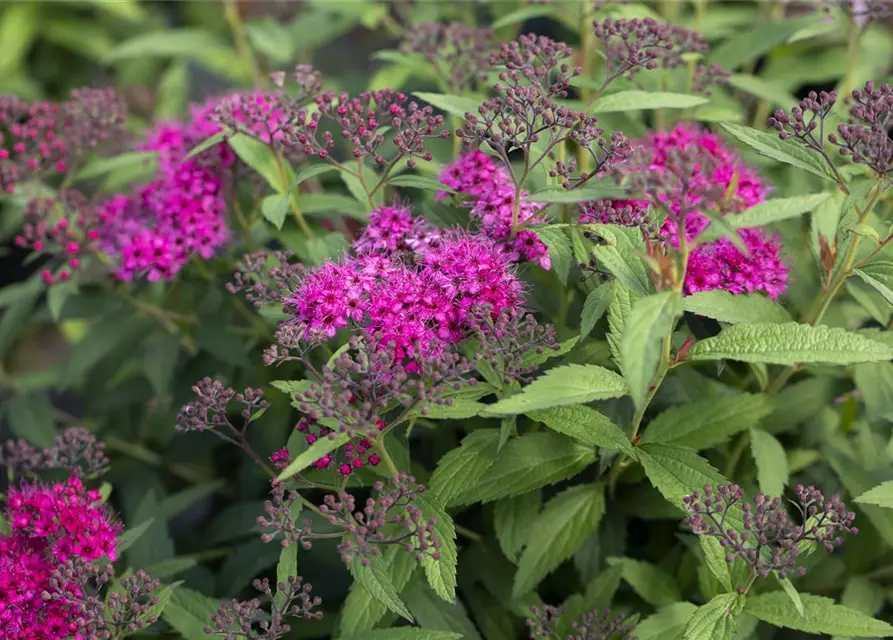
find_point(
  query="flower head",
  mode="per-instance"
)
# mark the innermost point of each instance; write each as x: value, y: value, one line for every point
x: 458, y: 54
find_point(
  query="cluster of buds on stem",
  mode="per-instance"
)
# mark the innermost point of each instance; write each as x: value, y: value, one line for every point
x: 771, y: 541
x: 512, y: 343
x: 593, y: 625
x: 249, y: 619
x: 525, y: 116
x: 266, y: 277
x: 459, y: 55
x: 389, y: 518
x: 75, y: 450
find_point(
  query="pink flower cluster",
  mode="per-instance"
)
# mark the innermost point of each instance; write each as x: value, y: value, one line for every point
x: 354, y: 455
x: 393, y: 230
x: 718, y: 264
x: 408, y: 302
x: 180, y: 213
x: 49, y: 525
x: 492, y: 192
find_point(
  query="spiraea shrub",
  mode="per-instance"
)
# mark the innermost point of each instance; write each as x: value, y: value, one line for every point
x: 559, y: 320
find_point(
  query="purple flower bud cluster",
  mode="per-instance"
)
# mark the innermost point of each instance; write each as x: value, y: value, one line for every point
x: 266, y: 277
x: 250, y: 619
x: 280, y: 521
x: 388, y: 518
x: 593, y: 625
x: 44, y: 138
x: 683, y: 173
x: 771, y: 540
x: 864, y: 12
x: 365, y: 381
x: 76, y: 450
x: 361, y: 120
x: 866, y: 139
x: 210, y: 409
x: 459, y: 55
x: 512, y: 342
x: 631, y: 45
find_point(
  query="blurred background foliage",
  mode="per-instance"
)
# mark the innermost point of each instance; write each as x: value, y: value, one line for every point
x: 161, y: 56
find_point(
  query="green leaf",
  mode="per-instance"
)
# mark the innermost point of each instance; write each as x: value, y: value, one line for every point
x: 857, y: 481
x: 618, y: 312
x: 407, y: 633
x: 108, y: 335
x: 643, y: 100
x: 822, y: 616
x: 163, y: 597
x: 30, y: 416
x: 313, y: 453
x: 650, y: 321
x: 131, y: 535
x: 715, y: 559
x: 527, y: 463
x: 771, y: 461
x: 566, y: 522
x: 789, y: 344
x: 462, y: 467
x: 716, y: 620
x: 705, y: 424
x: 275, y: 208
x: 419, y: 182
x: 881, y: 495
x: 454, y: 105
x: 667, y: 624
x: 786, y: 151
x: 127, y: 161
x: 441, y: 573
x: 513, y: 519
x: 585, y: 424
x: 271, y: 39
x: 678, y: 472
x: 172, y: 567
x: 433, y: 613
x: 736, y: 308
x: 263, y: 160
x: 361, y: 611
x: 180, y: 501
x: 878, y: 275
x: 653, y: 585
x: 776, y: 210
x: 595, y: 191
x: 522, y: 15
x: 570, y: 384
x: 161, y: 352
x: 594, y: 307
x: 763, y: 89
x: 459, y: 408
x: 793, y: 594
x: 374, y: 579
x: 311, y: 172
x: 286, y: 568
x: 748, y: 45
x: 213, y: 141
x: 168, y: 43
x: 188, y: 612
x: 560, y: 252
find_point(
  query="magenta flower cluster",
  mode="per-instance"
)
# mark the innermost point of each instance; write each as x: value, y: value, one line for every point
x: 408, y: 302
x: 50, y: 525
x: 181, y: 213
x: 492, y: 195
x: 718, y: 264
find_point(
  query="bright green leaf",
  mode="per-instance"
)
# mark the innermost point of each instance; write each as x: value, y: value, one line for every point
x: 822, y: 616
x: 594, y: 307
x: 776, y: 210
x: 881, y: 495
x: 585, y: 424
x: 374, y: 579
x: 650, y: 321
x: 878, y: 275
x: 313, y: 453
x: 513, y: 520
x: 645, y: 100
x: 789, y: 344
x: 736, y: 308
x: 462, y: 467
x: 653, y: 585
x: 667, y: 624
x: 771, y: 461
x: 716, y: 620
x: 275, y: 208
x: 786, y: 151
x: 189, y: 612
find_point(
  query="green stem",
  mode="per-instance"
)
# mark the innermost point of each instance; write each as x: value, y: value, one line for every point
x: 292, y: 200
x: 737, y: 452
x: 379, y: 445
x: 243, y: 49
x: 468, y: 533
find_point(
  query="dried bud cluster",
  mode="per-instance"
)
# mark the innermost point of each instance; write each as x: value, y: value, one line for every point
x: 43, y: 138
x: 249, y: 619
x: 526, y: 113
x: 460, y: 55
x: 593, y: 625
x: 389, y: 518
x: 210, y: 409
x: 644, y: 43
x: 76, y: 450
x: 364, y: 382
x: 865, y: 138
x: 266, y: 276
x: 280, y: 511
x: 771, y: 541
x: 512, y: 342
